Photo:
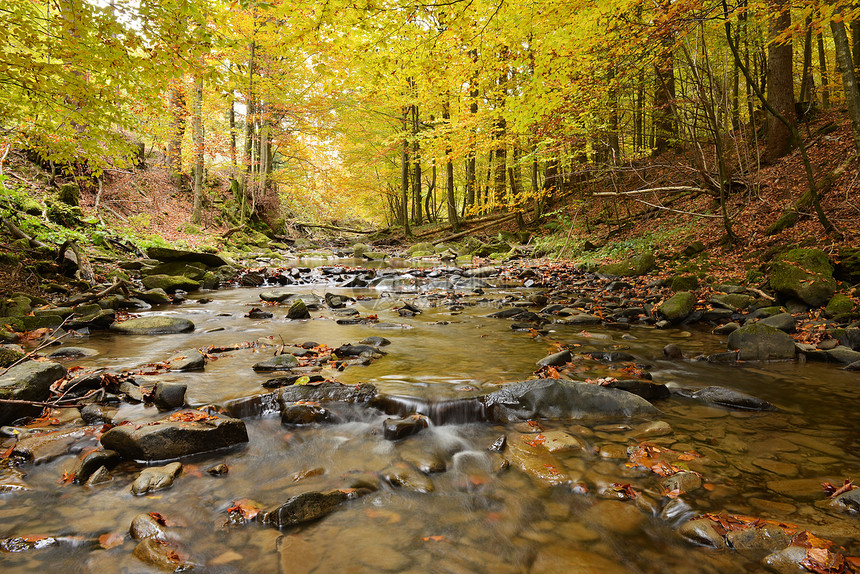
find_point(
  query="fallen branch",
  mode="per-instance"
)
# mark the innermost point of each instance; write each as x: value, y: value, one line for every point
x: 117, y: 286
x: 334, y: 228
x: 48, y: 340
x: 40, y: 404
x: 18, y: 234
x: 663, y: 208
x: 675, y: 189
x: 761, y: 293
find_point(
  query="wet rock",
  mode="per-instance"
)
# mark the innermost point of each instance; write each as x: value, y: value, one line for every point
x: 305, y: 414
x: 805, y: 274
x: 525, y: 452
x: 169, y: 254
x: 701, y: 531
x: 556, y: 441
x: 167, y: 439
x: 100, y: 476
x: 782, y: 321
x: 45, y: 447
x: 732, y: 399
x: 131, y: 391
x: 37, y: 542
x: 581, y: 319
x: 305, y: 507
x: 218, y: 469
x: 404, y: 475
x: 396, y: 429
x: 678, y: 306
x: 259, y: 314
x: 684, y: 283
x: 155, y: 296
x: 555, y: 399
x: 847, y: 501
x: 170, y: 283
x: 758, y: 342
x: 839, y: 305
x: 163, y: 555
x: 838, y: 354
x: 652, y: 429
x: 72, y: 353
x: 28, y: 381
x: 291, y: 380
x: 147, y: 526
x: 645, y: 389
x: 801, y: 489
x: 99, y: 320
x: 726, y: 329
x: 673, y: 352
x: 168, y: 396
x: 93, y: 461
x: 633, y: 267
x: 568, y: 559
x: 375, y: 341
x: 155, y: 478
x: 153, y: 325
x: 358, y: 351
x: 615, y: 516
x: 283, y: 362
x: 556, y: 359
x: 328, y: 391
x: 786, y: 561
x: 682, y: 482
x: 275, y: 296
x: 12, y: 480
x: 298, y: 310
x: 188, y: 360
x: 776, y: 467
x: 11, y: 356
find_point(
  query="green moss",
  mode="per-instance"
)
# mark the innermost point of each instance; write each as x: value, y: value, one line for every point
x: 839, y: 305
x: 805, y: 274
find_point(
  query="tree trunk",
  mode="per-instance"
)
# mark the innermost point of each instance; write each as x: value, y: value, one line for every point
x: 416, y: 167
x: 822, y: 66
x: 197, y: 210
x: 231, y: 116
x: 664, y: 120
x: 471, y: 158
x: 451, y: 200
x: 404, y: 175
x: 780, y: 83
x: 807, y: 85
x: 179, y: 113
x: 849, y: 78
x: 614, y: 144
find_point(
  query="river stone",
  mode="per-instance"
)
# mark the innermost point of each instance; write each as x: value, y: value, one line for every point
x: 99, y: 476
x: 188, y: 360
x: 633, y: 267
x: 615, y: 516
x: 645, y: 389
x: 101, y: 319
x: 305, y: 414
x: 555, y: 360
x: 678, y: 306
x: 526, y: 453
x: 396, y: 429
x: 302, y: 508
x: 28, y: 381
x: 146, y: 526
x: 327, y: 391
x: 839, y: 305
x: 10, y: 356
x: 838, y: 354
x: 155, y: 478
x: 168, y: 254
x: 733, y: 399
x: 848, y: 337
x: 298, y: 310
x: 402, y: 474
x: 278, y: 363
x: 161, y: 554
x: 758, y: 342
x: 683, y: 283
x: 72, y: 353
x: 93, y: 461
x: 156, y: 296
x: 847, y: 501
x: 802, y: 489
x: 170, y: 283
x: 193, y: 271
x: 682, y: 481
x: 275, y: 296
x: 382, y: 341
x: 805, y: 274
x: 169, y: 396
x: 166, y: 439
x: 567, y: 559
x: 652, y: 429
x: 701, y: 531
x: 556, y: 399
x: 786, y: 561
x: 782, y: 321
x: 153, y: 325
x: 45, y: 447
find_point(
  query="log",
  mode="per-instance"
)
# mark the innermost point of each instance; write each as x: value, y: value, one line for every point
x: 338, y: 229
x: 675, y: 189
x: 476, y: 229
x: 18, y: 234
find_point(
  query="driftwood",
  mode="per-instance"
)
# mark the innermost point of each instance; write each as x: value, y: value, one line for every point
x: 339, y: 229
x: 476, y: 229
x: 790, y: 217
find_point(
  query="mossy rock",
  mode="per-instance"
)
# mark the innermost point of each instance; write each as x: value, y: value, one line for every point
x: 63, y: 214
x: 423, y: 246
x: 678, y: 306
x: 692, y: 249
x: 170, y: 283
x: 805, y: 274
x: 759, y: 342
x: 118, y: 274
x: 191, y: 270
x: 32, y: 322
x: 9, y: 258
x: 423, y: 254
x: 360, y: 249
x: 16, y: 306
x: 9, y: 356
x: 31, y: 207
x: 153, y: 325
x: 839, y: 305
x: 848, y: 266
x: 632, y: 267
x: 374, y: 255
x: 684, y: 282
x: 70, y: 194
x: 732, y: 301
x: 14, y: 323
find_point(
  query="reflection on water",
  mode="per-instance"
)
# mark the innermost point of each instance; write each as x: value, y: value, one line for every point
x: 473, y: 517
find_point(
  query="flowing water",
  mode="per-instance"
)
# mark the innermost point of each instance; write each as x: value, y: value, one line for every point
x: 476, y: 518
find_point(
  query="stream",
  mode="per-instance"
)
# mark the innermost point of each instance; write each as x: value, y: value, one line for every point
x: 470, y: 511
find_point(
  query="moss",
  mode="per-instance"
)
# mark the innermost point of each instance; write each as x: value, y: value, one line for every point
x: 839, y: 305
x: 633, y: 267
x: 684, y: 282
x: 677, y: 307
x: 804, y: 274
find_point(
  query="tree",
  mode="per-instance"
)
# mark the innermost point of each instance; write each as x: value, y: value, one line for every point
x: 780, y: 82
x: 849, y: 79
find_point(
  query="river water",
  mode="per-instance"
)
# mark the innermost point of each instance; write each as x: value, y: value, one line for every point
x: 476, y: 518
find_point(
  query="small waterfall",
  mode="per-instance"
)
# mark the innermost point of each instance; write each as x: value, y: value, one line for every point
x: 440, y: 412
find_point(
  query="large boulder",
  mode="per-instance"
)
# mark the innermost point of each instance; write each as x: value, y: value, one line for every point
x: 181, y: 434
x: 557, y: 399
x: 29, y: 381
x: 305, y: 507
x: 633, y: 267
x: 167, y: 254
x: 191, y: 270
x: 170, y: 283
x: 153, y: 325
x: 328, y: 391
x: 805, y: 274
x: 678, y: 306
x: 848, y: 265
x: 759, y: 342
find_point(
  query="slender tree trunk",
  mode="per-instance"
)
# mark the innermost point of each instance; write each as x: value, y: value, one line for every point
x: 807, y: 85
x: 231, y: 116
x: 416, y: 166
x: 780, y: 83
x: 471, y: 158
x: 451, y: 200
x: 849, y: 78
x: 614, y: 143
x: 664, y: 120
x: 197, y: 210
x: 404, y: 175
x: 248, y: 183
x: 855, y: 42
x: 822, y: 71
x: 179, y: 113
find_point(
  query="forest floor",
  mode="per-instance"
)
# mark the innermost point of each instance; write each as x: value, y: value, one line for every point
x: 145, y: 205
